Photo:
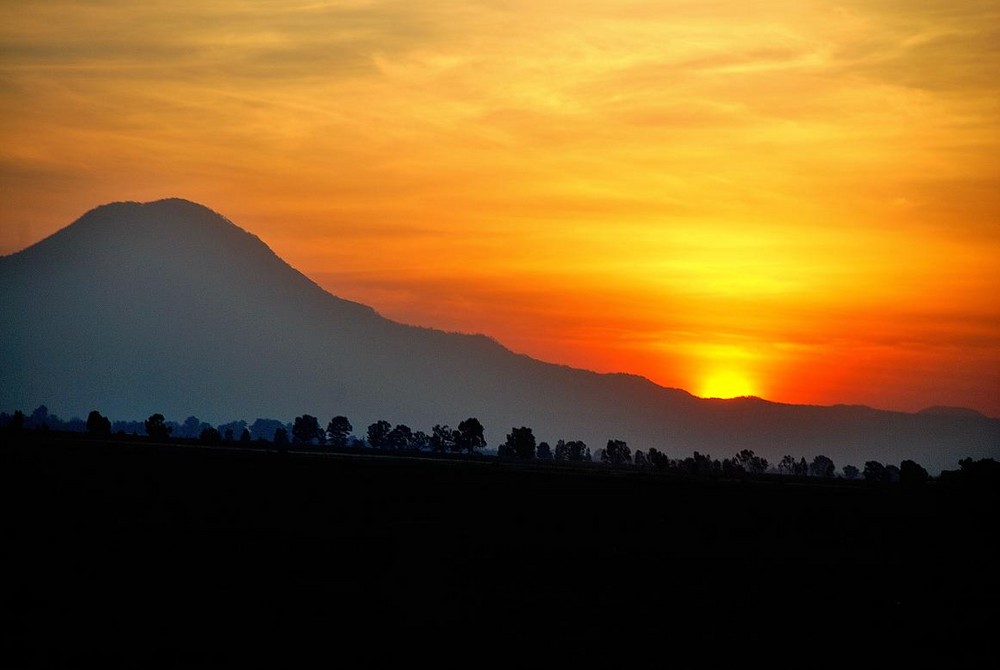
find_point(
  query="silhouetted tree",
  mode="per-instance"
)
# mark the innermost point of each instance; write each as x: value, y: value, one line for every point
x: 157, y: 428
x: 245, y: 436
x: 750, y: 462
x: 378, y: 434
x: 802, y: 468
x: 640, y: 459
x: 851, y: 472
x: 338, y: 430
x: 399, y: 437
x: 757, y: 465
x: 442, y: 438
x: 573, y: 450
x: 658, y: 459
x: 16, y: 424
x: 700, y: 465
x: 520, y: 443
x: 578, y: 451
x: 912, y: 473
x: 469, y: 436
x: 984, y: 467
x: 616, y: 453
x: 281, y: 440
x: 98, y: 425
x: 732, y: 467
x: 306, y: 430
x: 786, y: 465
x: 421, y: 440
x: 544, y: 451
x: 821, y: 466
x: 875, y: 472
x: 982, y: 471
x: 39, y: 419
x: 561, y: 452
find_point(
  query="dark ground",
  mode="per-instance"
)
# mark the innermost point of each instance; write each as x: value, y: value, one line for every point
x: 132, y: 555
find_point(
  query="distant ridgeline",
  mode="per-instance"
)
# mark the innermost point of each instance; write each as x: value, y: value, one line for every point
x: 170, y: 307
x: 306, y: 433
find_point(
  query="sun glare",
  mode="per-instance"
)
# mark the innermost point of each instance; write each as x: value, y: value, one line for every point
x: 727, y: 384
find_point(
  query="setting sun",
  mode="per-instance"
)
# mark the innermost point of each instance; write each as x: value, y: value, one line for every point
x: 727, y: 384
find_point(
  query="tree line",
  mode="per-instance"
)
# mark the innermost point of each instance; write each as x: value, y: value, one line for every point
x: 306, y: 431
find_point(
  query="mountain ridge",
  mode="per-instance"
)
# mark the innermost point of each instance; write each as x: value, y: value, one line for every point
x: 168, y: 306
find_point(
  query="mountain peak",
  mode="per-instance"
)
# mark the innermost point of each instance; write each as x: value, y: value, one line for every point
x: 174, y: 204
x: 147, y: 229
x: 169, y: 218
x: 177, y: 207
x: 172, y: 260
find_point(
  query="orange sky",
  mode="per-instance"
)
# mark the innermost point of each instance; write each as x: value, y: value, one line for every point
x: 798, y: 200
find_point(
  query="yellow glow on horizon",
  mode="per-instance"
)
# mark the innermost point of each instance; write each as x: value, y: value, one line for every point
x: 727, y: 384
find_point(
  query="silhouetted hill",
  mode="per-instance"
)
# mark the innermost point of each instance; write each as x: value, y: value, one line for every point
x: 939, y: 410
x: 169, y: 307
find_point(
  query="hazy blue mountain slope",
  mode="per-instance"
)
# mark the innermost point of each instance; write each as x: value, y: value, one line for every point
x: 168, y: 307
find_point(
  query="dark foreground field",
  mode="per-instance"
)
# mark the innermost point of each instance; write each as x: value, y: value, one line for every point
x: 127, y: 555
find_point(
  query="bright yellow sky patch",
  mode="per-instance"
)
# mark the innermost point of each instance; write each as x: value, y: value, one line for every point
x: 618, y: 185
x: 726, y: 384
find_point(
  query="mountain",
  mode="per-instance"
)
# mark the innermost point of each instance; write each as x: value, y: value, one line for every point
x: 941, y: 410
x: 168, y: 307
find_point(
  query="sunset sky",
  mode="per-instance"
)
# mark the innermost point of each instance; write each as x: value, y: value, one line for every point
x: 796, y: 199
